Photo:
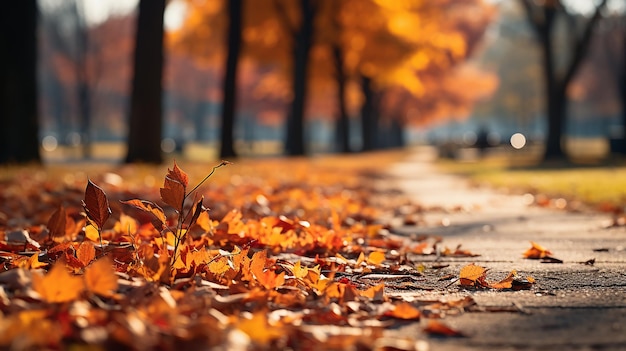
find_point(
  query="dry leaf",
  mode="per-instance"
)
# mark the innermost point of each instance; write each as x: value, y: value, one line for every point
x: 173, y: 193
x: 57, y: 223
x: 437, y: 328
x: 96, y: 205
x: 376, y: 258
x: 100, y: 277
x: 537, y: 251
x: 159, y: 219
x: 58, y: 285
x: 85, y: 253
x: 473, y: 275
x: 404, y: 310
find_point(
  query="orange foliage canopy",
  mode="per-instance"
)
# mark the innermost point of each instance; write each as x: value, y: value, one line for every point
x: 410, y: 46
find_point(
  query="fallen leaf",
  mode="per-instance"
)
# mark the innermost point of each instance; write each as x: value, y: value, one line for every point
x: 404, y: 310
x: 473, y: 275
x: 58, y: 285
x: 100, y: 277
x: 85, y: 253
x: 57, y: 223
x: 536, y: 251
x: 258, y: 328
x: 437, y: 328
x: 505, y: 283
x: 376, y: 258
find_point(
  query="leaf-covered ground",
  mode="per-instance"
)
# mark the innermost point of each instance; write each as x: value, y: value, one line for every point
x: 269, y: 254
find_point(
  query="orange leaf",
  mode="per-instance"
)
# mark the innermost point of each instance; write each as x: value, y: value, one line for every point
x: 404, y: 310
x: 96, y: 205
x: 100, y: 277
x: 85, y: 253
x: 58, y: 285
x: 219, y: 266
x: 178, y: 175
x: 376, y: 258
x: 34, y: 263
x: 438, y: 328
x: 374, y: 293
x: 473, y: 275
x: 267, y: 278
x: 505, y: 283
x: 537, y: 251
x: 173, y: 193
x: 152, y: 208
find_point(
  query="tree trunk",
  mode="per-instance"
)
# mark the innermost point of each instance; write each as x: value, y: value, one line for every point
x: 369, y: 116
x: 19, y: 127
x: 227, y: 148
x: 542, y: 18
x: 145, y: 124
x: 622, y: 92
x: 343, y: 123
x: 554, y: 92
x: 303, y: 40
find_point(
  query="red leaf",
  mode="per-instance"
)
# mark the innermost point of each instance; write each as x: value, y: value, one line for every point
x: 96, y: 204
x: 57, y: 223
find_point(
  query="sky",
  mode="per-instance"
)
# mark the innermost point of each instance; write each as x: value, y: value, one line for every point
x: 97, y: 11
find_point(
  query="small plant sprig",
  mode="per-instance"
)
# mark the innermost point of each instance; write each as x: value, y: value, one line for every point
x: 174, y: 193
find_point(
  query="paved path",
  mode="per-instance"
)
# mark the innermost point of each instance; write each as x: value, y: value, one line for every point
x: 572, y: 306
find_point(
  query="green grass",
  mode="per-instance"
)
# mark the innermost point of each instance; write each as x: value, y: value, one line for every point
x: 597, y: 185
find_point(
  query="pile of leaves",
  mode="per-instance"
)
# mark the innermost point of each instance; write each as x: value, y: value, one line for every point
x: 273, y: 265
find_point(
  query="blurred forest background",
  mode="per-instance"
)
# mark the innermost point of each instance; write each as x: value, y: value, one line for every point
x: 126, y: 80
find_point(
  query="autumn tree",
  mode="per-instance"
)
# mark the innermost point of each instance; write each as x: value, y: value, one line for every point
x: 145, y: 122
x: 19, y: 126
x: 543, y: 18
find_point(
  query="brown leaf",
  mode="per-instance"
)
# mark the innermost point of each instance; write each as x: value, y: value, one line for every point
x: 57, y: 224
x: 96, y: 205
x: 173, y: 193
x: 197, y: 210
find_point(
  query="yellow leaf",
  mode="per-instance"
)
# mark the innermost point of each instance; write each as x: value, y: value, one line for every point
x: 473, y: 275
x: 100, y: 277
x: 34, y: 263
x: 58, y: 285
x: 258, y: 328
x: 92, y: 233
x: 376, y: 258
